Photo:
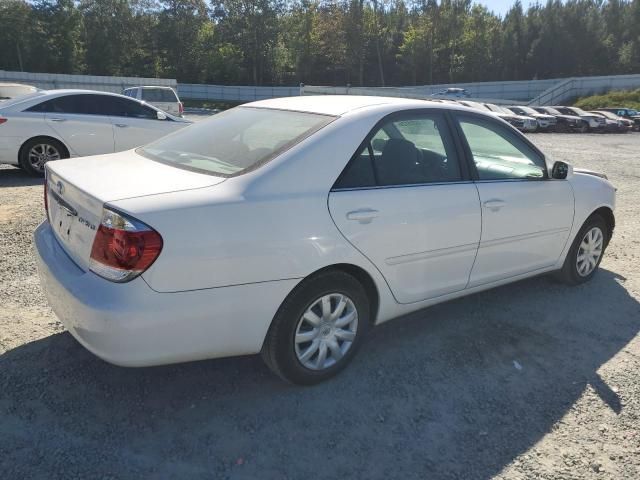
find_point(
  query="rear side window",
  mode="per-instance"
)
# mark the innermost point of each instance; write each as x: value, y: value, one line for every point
x: 410, y: 149
x: 158, y: 95
x: 235, y: 141
x: 84, y: 104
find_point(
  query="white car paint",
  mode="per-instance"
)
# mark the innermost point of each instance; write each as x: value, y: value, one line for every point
x: 81, y: 134
x: 234, y: 248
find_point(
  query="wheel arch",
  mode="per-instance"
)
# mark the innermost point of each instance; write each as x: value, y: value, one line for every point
x: 362, y: 276
x: 43, y: 137
x: 607, y: 214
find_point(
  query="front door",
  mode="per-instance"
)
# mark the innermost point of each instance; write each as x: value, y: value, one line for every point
x: 526, y: 216
x: 406, y: 204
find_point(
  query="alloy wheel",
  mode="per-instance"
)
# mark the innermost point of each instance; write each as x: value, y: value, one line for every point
x: 42, y: 153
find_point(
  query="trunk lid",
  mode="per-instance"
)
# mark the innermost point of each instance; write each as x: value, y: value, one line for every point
x: 78, y: 188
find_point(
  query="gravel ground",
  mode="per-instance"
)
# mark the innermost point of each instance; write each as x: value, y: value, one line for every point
x: 532, y: 380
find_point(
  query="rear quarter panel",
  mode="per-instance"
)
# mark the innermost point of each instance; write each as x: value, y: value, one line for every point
x: 20, y: 127
x: 270, y: 224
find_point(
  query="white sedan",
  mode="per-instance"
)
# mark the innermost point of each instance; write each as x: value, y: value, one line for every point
x: 55, y: 124
x: 291, y: 226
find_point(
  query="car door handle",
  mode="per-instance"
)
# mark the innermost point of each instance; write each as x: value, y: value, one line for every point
x: 494, y: 205
x: 121, y: 125
x: 58, y: 119
x: 364, y: 215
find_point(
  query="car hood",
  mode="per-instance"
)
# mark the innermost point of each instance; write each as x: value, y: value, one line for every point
x: 569, y: 117
x: 584, y: 171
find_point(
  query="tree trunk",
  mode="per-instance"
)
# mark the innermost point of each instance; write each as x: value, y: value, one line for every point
x: 379, y: 54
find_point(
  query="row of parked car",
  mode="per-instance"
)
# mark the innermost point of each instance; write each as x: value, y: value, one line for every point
x: 556, y: 118
x: 563, y: 119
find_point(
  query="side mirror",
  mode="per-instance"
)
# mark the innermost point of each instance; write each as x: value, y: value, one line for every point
x: 560, y: 170
x: 161, y: 116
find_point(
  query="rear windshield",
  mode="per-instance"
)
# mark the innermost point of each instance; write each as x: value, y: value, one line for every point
x: 235, y: 141
x: 158, y: 95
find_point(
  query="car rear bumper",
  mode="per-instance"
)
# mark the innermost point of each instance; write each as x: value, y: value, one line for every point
x: 130, y: 324
x: 9, y: 148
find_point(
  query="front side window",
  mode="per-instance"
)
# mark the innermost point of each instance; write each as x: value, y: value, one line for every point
x: 123, y: 107
x: 411, y: 149
x: 236, y: 140
x: 498, y: 154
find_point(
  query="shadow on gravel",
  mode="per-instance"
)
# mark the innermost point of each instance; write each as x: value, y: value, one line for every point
x: 16, y: 177
x: 455, y: 391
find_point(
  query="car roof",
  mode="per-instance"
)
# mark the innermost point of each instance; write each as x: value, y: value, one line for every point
x: 339, y: 105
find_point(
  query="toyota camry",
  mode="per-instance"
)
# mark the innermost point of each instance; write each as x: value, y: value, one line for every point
x: 290, y: 227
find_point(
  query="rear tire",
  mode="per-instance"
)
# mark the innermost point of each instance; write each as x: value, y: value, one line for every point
x: 586, y: 252
x: 318, y: 328
x: 38, y: 151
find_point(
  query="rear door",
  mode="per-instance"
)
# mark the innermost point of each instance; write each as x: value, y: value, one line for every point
x: 81, y: 121
x: 136, y: 124
x: 526, y: 216
x: 405, y: 201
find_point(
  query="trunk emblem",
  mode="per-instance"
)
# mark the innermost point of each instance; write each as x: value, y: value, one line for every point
x: 60, y: 188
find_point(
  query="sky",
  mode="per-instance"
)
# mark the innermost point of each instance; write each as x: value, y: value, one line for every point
x: 501, y: 7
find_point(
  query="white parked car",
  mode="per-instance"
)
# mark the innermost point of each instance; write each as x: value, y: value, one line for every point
x: 54, y: 124
x: 545, y: 122
x: 13, y: 90
x: 291, y: 226
x: 165, y: 98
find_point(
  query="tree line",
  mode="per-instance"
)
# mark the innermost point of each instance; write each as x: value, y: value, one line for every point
x: 322, y: 42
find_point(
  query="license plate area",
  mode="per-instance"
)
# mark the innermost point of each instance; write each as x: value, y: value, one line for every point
x: 65, y: 216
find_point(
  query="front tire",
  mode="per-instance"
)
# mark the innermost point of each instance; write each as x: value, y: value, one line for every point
x: 38, y: 151
x: 586, y: 252
x: 318, y: 328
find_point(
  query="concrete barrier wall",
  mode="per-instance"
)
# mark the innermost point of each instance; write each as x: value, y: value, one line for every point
x: 571, y: 88
x: 543, y: 92
x: 195, y: 91
x: 538, y: 92
x: 391, y: 92
x: 54, y: 81
x: 511, y: 92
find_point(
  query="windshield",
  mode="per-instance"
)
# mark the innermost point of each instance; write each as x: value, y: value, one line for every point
x: 235, y: 141
x: 527, y: 110
x: 579, y: 111
x: 552, y: 111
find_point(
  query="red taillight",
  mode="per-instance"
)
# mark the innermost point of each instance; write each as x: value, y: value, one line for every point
x: 3, y: 120
x: 123, y: 247
x: 180, y: 108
